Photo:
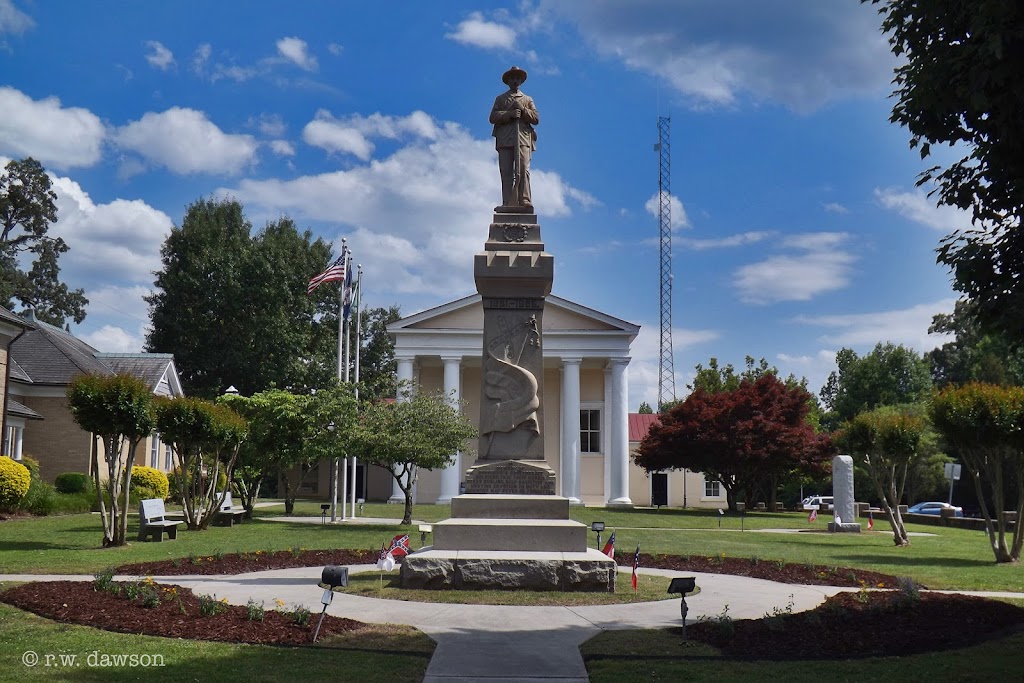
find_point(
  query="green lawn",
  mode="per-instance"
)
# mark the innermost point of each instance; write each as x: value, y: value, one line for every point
x: 946, y: 558
x: 403, y: 656
x: 643, y: 656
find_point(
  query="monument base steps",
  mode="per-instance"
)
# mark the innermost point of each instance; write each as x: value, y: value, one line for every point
x: 590, y: 571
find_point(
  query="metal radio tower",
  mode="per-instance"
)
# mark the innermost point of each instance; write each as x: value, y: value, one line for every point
x: 666, y: 367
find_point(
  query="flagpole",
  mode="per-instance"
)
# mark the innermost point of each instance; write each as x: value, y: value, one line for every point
x: 336, y: 462
x: 357, y: 297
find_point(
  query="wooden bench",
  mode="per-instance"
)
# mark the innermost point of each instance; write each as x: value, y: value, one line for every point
x: 228, y: 513
x: 153, y: 521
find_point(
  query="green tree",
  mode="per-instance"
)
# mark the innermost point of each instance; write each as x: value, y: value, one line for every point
x: 645, y: 408
x: 118, y: 411
x: 419, y: 431
x: 233, y: 307
x: 205, y: 437
x: 886, y: 441
x: 888, y: 375
x: 973, y: 355
x: 982, y: 424
x: 27, y: 208
x: 377, y: 366
x: 959, y: 84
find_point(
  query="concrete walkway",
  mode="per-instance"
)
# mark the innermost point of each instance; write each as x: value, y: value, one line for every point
x: 501, y: 643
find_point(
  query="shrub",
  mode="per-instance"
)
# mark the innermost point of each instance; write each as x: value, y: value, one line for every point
x: 73, y: 482
x: 14, y: 483
x: 33, y: 466
x: 151, y: 482
x: 254, y: 610
x: 41, y: 499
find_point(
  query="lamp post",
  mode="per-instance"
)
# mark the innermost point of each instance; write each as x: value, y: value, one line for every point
x: 598, y: 527
x: 683, y: 585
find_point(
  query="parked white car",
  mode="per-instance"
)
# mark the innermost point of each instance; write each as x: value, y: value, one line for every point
x: 818, y: 503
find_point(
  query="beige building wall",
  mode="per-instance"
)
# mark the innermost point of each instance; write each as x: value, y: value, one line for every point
x: 57, y: 442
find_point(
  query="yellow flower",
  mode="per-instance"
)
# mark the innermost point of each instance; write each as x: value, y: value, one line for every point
x: 881, y: 585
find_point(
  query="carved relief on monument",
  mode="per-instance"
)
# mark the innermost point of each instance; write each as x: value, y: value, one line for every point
x: 510, y: 389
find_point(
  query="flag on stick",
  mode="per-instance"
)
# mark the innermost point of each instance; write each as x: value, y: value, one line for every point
x: 609, y: 547
x: 350, y: 290
x: 399, y: 545
x: 871, y: 521
x: 636, y: 563
x: 813, y: 516
x: 334, y: 273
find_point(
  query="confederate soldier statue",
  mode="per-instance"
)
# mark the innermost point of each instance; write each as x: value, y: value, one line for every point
x: 514, y: 117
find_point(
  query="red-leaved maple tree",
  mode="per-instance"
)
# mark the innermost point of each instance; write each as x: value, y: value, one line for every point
x: 747, y: 438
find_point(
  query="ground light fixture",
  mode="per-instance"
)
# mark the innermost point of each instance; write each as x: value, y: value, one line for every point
x: 324, y: 507
x: 597, y: 527
x: 721, y: 513
x: 332, y: 577
x: 682, y: 585
x: 424, y: 530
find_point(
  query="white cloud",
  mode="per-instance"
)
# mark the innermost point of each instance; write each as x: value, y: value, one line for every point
x: 801, y: 53
x: 917, y: 207
x: 814, y: 367
x: 110, y: 339
x: 271, y: 125
x: 59, y: 137
x: 335, y: 49
x: 116, y: 241
x: 645, y: 366
x: 800, y: 277
x: 200, y: 57
x: 413, y: 214
x: 185, y: 141
x: 677, y: 212
x: 908, y: 326
x: 352, y: 135
x: 835, y: 207
x: 13, y: 20
x: 159, y: 57
x: 282, y: 148
x: 296, y: 51
x: 738, y: 240
x: 478, y: 32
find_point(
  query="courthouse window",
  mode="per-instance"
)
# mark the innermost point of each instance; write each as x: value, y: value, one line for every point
x: 712, y: 489
x: 590, y: 431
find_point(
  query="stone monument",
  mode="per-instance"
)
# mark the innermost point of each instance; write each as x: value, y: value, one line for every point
x: 844, y: 510
x: 510, y: 530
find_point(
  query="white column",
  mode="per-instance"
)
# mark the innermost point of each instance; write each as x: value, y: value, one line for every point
x: 19, y: 433
x: 570, y: 457
x: 450, y: 475
x: 618, y: 428
x: 404, y: 375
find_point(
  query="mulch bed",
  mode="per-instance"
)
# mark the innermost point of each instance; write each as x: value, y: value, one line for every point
x: 771, y: 570
x: 176, y: 616
x: 865, y: 624
x: 242, y: 563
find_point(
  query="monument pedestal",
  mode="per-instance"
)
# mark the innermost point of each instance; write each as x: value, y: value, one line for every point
x: 509, y: 542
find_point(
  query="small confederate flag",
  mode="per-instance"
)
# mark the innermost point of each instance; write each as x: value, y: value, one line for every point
x: 334, y: 273
x: 813, y: 516
x: 871, y: 521
x: 636, y: 563
x: 609, y: 547
x: 399, y: 545
x: 382, y: 559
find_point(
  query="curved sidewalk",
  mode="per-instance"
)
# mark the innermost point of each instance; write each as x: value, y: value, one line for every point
x: 504, y: 643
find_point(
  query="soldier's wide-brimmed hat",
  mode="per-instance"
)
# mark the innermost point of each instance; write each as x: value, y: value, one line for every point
x: 514, y: 71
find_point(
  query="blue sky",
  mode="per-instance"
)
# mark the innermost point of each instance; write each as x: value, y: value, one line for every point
x: 797, y: 229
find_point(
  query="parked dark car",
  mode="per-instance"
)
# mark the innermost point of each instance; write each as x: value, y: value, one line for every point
x: 935, y: 508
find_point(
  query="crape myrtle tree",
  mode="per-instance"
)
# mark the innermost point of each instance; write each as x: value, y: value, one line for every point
x: 886, y: 442
x: 232, y: 305
x: 117, y: 410
x: 27, y: 209
x: 420, y: 430
x: 983, y: 425
x: 205, y: 438
x: 740, y: 437
x: 959, y: 84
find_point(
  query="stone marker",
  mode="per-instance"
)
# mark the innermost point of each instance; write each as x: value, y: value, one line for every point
x: 842, y: 494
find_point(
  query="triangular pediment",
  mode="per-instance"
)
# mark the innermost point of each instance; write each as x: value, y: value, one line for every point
x: 467, y: 314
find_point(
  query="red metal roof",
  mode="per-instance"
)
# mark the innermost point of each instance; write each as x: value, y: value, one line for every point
x: 640, y: 424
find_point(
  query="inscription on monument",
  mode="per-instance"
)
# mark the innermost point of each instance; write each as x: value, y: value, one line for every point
x: 516, y: 304
x: 511, y: 478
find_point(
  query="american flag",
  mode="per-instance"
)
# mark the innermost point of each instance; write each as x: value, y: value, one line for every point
x: 334, y: 273
x: 871, y: 520
x: 636, y: 563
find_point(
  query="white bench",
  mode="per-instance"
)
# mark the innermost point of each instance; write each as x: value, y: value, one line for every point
x: 228, y: 513
x: 153, y: 521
